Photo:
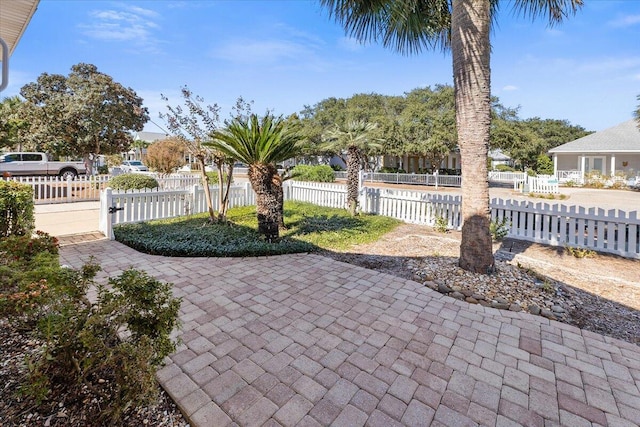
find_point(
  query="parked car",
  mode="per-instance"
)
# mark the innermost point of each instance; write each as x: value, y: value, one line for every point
x: 26, y: 164
x: 133, y: 166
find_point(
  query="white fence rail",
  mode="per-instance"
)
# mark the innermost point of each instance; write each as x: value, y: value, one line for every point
x: 611, y: 231
x: 495, y: 176
x: 430, y: 179
x: 121, y: 207
x: 53, y: 189
x: 409, y: 178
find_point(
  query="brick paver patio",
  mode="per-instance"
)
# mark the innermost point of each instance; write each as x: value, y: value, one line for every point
x: 302, y: 340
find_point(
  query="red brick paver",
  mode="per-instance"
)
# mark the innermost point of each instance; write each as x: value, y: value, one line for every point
x: 302, y: 340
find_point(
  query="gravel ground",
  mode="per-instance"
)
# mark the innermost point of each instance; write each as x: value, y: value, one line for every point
x: 600, y: 293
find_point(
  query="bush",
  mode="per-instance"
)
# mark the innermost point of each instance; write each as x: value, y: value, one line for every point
x: 16, y: 209
x: 337, y: 168
x: 165, y: 156
x: 320, y: 173
x: 111, y: 347
x: 132, y: 181
x: 544, y: 165
x: 103, y: 170
x: 499, y: 229
x: 504, y: 168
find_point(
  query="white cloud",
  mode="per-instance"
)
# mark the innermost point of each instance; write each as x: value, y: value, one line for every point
x: 350, y: 44
x: 130, y: 24
x: 625, y: 21
x: 251, y: 51
x: 554, y: 32
x: 509, y: 88
x: 611, y: 64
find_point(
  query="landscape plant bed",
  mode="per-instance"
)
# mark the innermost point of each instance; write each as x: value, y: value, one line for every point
x: 309, y: 228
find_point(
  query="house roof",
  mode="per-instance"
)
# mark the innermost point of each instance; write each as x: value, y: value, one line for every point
x: 149, y: 136
x: 14, y: 19
x: 622, y: 138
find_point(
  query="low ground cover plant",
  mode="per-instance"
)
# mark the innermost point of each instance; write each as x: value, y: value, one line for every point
x: 309, y: 228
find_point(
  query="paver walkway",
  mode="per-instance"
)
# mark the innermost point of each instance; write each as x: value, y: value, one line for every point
x: 304, y: 340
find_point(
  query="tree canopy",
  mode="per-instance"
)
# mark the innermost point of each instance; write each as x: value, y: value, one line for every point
x: 423, y: 122
x: 83, y: 114
x: 12, y: 125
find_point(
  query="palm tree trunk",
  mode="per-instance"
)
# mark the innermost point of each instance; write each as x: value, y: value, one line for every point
x: 470, y: 25
x: 261, y: 177
x: 278, y: 186
x: 353, y: 167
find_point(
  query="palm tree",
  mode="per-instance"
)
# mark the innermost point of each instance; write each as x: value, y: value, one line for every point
x: 354, y: 137
x: 463, y: 26
x: 260, y: 143
x: 637, y: 113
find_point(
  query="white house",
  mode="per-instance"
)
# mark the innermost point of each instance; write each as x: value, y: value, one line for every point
x: 613, y: 151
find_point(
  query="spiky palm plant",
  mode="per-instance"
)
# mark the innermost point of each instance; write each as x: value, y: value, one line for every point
x: 260, y: 143
x: 355, y: 138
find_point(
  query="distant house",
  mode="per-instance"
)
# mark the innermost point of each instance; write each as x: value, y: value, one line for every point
x: 141, y: 140
x: 499, y: 158
x: 419, y: 164
x: 612, y: 151
x: 149, y: 137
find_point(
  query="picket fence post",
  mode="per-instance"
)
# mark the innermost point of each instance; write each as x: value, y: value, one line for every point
x: 106, y: 220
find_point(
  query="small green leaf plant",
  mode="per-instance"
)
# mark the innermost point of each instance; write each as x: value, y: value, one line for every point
x: 441, y: 224
x: 499, y: 229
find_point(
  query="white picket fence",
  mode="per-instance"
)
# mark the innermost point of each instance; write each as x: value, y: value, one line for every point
x: 121, y: 207
x: 496, y: 176
x: 539, y: 184
x: 611, y: 231
x: 53, y: 189
x: 408, y: 178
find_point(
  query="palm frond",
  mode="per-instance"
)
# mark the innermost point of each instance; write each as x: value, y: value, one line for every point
x: 407, y: 26
x: 252, y: 140
x: 554, y: 10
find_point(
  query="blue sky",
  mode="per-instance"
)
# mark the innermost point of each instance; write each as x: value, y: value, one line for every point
x: 285, y: 54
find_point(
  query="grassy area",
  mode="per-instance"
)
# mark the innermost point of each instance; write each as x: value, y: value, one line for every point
x: 310, y: 228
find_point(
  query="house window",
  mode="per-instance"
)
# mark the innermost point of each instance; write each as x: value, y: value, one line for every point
x: 594, y: 163
x: 453, y: 163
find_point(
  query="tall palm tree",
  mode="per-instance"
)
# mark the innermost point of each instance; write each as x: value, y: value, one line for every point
x: 355, y: 137
x: 463, y: 26
x: 260, y: 143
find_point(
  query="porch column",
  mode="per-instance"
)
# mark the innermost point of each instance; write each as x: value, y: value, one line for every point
x: 555, y: 165
x: 582, y: 165
x: 613, y: 164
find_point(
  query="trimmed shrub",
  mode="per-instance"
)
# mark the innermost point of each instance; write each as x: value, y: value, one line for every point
x: 132, y: 181
x: 320, y: 173
x: 16, y: 209
x: 504, y: 168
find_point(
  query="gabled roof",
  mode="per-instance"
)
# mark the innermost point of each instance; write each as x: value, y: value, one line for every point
x: 623, y: 138
x: 149, y: 136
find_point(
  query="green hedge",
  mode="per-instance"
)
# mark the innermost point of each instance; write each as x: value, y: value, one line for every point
x: 132, y: 181
x: 16, y: 209
x: 321, y: 173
